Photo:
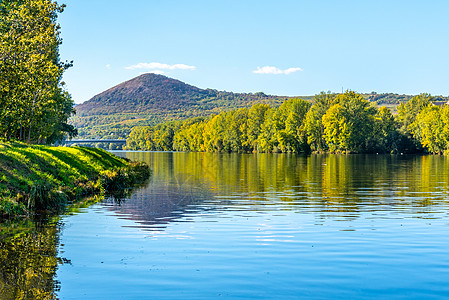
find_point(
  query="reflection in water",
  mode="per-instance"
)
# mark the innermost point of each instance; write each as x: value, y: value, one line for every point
x: 29, y: 255
x: 266, y: 208
x: 160, y: 203
x: 327, y: 185
x: 28, y: 260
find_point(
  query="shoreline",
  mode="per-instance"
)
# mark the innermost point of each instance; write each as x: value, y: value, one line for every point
x: 36, y: 178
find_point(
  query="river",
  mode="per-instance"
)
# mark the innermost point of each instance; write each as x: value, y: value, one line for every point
x: 266, y: 226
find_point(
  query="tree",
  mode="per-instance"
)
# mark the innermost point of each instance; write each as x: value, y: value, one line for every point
x: 235, y: 130
x: 213, y: 133
x: 294, y: 137
x: 34, y: 106
x: 267, y: 141
x: 313, y: 125
x: 405, y: 117
x: 385, y: 133
x: 189, y: 136
x: 256, y: 117
x: 348, y: 124
x: 337, y: 128
x: 431, y: 128
x: 282, y: 129
x: 408, y: 111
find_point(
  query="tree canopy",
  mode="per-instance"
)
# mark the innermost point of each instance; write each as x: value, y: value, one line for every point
x: 34, y: 105
x: 339, y: 123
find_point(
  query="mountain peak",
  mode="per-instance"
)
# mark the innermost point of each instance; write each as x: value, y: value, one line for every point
x: 144, y: 94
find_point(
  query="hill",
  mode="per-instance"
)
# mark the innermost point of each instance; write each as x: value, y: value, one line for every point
x: 150, y: 99
x: 145, y: 94
x: 393, y: 100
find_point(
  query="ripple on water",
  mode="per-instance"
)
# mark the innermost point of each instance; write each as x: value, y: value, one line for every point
x: 335, y: 227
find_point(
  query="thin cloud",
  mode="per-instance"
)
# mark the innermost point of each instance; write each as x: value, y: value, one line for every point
x: 275, y: 71
x: 160, y: 66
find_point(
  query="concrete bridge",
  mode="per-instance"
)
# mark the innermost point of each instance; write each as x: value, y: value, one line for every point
x: 71, y: 142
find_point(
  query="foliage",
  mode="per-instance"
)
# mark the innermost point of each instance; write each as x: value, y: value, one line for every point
x: 431, y: 128
x: 395, y: 99
x: 385, y: 131
x: 337, y: 128
x: 260, y: 128
x: 153, y: 93
x: 313, y: 124
x: 388, y: 98
x: 28, y: 261
x: 40, y: 177
x: 118, y: 182
x: 344, y: 122
x: 408, y: 111
x: 33, y: 104
x: 151, y: 99
x: 349, y: 122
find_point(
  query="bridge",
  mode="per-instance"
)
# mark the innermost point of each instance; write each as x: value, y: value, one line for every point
x: 71, y: 142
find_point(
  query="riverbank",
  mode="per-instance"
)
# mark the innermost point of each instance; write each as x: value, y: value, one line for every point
x: 35, y: 177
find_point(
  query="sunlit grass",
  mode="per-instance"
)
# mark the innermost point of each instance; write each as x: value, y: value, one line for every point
x: 39, y: 177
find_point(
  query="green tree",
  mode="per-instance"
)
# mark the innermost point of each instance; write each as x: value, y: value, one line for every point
x: 33, y: 104
x: 431, y: 128
x: 408, y: 111
x: 256, y: 117
x: 141, y: 138
x: 405, y: 117
x: 294, y: 138
x: 337, y: 128
x: 313, y: 125
x: 214, y: 133
x: 348, y: 124
x: 267, y: 140
x: 385, y: 132
x: 189, y: 137
x: 282, y: 129
x: 235, y: 130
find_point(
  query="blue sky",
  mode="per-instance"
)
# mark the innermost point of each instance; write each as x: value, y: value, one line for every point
x: 278, y: 47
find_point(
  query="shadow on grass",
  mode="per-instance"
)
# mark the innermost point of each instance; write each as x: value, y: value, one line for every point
x: 72, y: 160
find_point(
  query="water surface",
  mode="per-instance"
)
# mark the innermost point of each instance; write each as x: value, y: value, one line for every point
x: 264, y: 226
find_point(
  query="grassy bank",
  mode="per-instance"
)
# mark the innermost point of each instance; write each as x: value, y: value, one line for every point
x: 34, y: 178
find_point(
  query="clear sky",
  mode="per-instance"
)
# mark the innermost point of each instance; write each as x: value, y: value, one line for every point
x: 278, y: 47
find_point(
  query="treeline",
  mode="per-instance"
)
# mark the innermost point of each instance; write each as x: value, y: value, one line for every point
x: 337, y: 123
x: 34, y: 107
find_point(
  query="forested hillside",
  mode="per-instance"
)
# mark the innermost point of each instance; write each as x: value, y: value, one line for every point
x: 151, y: 99
x: 393, y: 100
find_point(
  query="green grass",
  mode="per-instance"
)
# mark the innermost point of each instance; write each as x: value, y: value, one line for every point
x: 35, y: 177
